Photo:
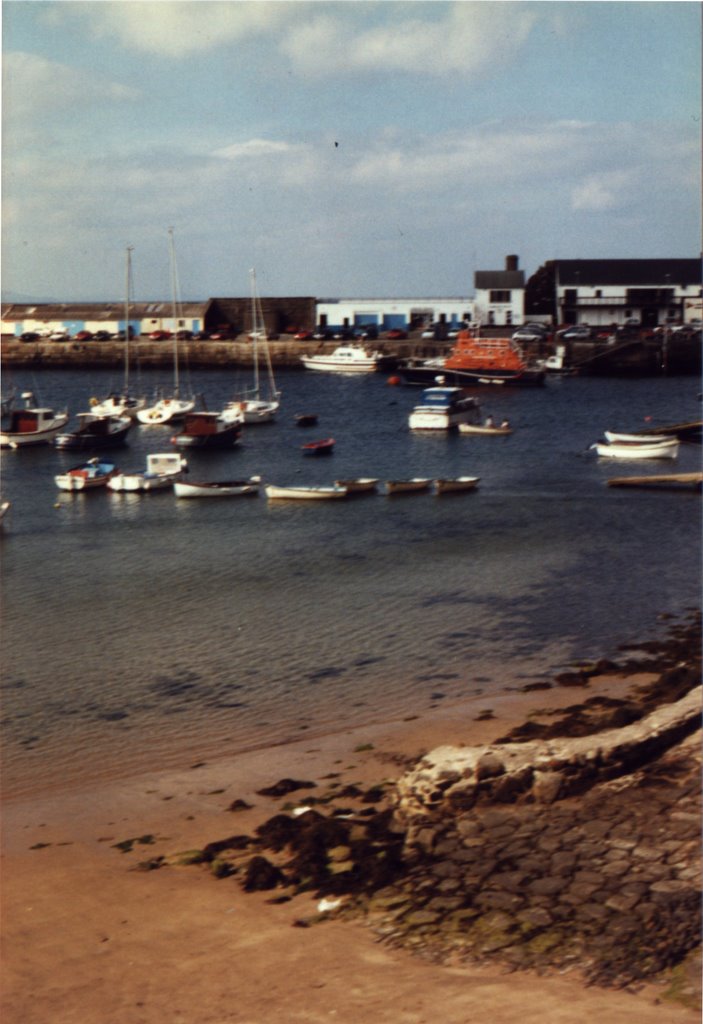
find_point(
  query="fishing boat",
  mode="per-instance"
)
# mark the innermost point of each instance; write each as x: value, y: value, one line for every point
x: 305, y: 493
x: 95, y: 431
x: 344, y: 359
x: 487, y: 428
x: 173, y: 407
x: 306, y: 419
x: 216, y: 488
x: 412, y: 486
x: 162, y: 470
x: 668, y: 449
x: 455, y: 485
x: 359, y: 485
x: 122, y: 403
x: 257, y: 405
x: 475, y: 360
x: 444, y: 408
x: 91, y: 475
x: 207, y: 430
x: 32, y: 425
x: 325, y: 446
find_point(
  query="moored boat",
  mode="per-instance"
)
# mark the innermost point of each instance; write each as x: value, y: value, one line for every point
x: 344, y: 359
x: 5, y: 507
x: 612, y: 436
x: 489, y: 429
x: 207, y: 430
x: 32, y: 425
x: 411, y: 486
x: 444, y: 408
x: 306, y: 419
x: 305, y: 493
x: 359, y: 485
x: 256, y: 405
x: 325, y: 446
x: 475, y: 360
x: 216, y: 488
x: 162, y: 470
x: 631, y: 450
x: 455, y: 485
x: 89, y: 476
x: 95, y: 431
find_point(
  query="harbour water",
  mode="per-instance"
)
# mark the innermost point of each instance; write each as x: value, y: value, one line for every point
x: 142, y: 631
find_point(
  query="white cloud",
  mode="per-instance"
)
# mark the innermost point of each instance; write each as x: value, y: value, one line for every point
x: 602, y: 191
x: 177, y: 29
x: 254, y: 149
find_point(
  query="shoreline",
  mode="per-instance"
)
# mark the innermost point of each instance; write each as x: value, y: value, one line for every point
x: 89, y: 937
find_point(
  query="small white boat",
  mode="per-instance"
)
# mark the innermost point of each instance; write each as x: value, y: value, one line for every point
x: 32, y: 425
x: 216, y: 488
x: 95, y: 432
x: 412, y: 486
x: 90, y: 475
x: 4, y: 509
x: 611, y: 436
x: 456, y: 484
x: 257, y: 405
x: 117, y: 404
x: 166, y: 410
x: 628, y: 450
x: 486, y: 428
x: 305, y: 493
x: 443, y: 408
x: 344, y: 359
x: 162, y: 470
x: 359, y: 485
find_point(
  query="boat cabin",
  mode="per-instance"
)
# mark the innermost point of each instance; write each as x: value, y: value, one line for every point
x: 29, y: 421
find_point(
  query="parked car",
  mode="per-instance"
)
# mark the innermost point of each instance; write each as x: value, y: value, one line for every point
x: 323, y: 335
x: 530, y: 332
x: 102, y: 336
x: 59, y: 336
x: 184, y: 335
x: 84, y: 336
x: 303, y: 335
x: 579, y: 332
x: 429, y: 333
x: 160, y: 335
x: 396, y: 334
x: 29, y: 336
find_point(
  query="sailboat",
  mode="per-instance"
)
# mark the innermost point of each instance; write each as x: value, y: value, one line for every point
x: 121, y: 403
x: 257, y: 405
x: 165, y: 410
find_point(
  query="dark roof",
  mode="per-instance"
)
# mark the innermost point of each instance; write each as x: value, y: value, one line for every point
x: 96, y: 311
x: 628, y: 272
x: 499, y: 279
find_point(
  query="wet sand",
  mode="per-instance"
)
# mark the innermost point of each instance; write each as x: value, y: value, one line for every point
x: 89, y: 939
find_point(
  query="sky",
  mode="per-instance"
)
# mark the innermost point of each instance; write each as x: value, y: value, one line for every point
x: 359, y: 148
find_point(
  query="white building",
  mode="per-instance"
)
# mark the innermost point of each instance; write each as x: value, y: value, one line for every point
x: 500, y: 294
x: 386, y: 314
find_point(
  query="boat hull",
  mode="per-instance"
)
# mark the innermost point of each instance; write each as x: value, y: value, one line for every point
x: 414, y: 486
x: 216, y: 488
x: 323, y: 447
x: 475, y: 428
x: 88, y: 477
x: 456, y: 485
x: 423, y: 374
x: 22, y: 439
x: 344, y: 359
x: 305, y: 493
x: 636, y: 451
x: 359, y: 485
x: 167, y: 410
x: 92, y: 439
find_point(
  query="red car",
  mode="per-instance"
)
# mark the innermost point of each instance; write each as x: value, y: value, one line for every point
x: 84, y: 336
x: 303, y: 336
x: 396, y: 334
x: 160, y: 335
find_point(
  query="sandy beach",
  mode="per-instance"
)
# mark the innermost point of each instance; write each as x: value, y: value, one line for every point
x: 89, y: 938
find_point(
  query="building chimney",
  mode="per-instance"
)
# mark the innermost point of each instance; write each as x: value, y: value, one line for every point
x: 511, y: 262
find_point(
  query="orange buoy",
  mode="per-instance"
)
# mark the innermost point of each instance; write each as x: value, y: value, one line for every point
x: 393, y: 380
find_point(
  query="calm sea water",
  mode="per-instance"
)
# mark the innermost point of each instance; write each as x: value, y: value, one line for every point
x: 141, y: 630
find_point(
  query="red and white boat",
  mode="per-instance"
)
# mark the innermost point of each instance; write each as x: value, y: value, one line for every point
x: 325, y: 446
x: 476, y: 360
x: 32, y: 425
x: 207, y: 430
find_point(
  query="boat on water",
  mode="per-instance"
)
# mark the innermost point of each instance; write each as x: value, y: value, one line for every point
x: 305, y: 493
x: 632, y: 450
x: 613, y: 436
x: 89, y: 476
x: 32, y: 425
x: 475, y: 360
x: 122, y: 402
x: 325, y: 446
x: 444, y: 408
x: 257, y: 404
x: 208, y: 430
x: 414, y: 485
x: 216, y: 488
x: 456, y: 484
x: 359, y: 485
x: 344, y: 359
x: 95, y: 431
x: 5, y: 507
x: 306, y: 419
x: 173, y: 406
x: 487, y: 428
x: 162, y: 470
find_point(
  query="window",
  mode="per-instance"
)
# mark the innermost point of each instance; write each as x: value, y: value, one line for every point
x: 500, y: 295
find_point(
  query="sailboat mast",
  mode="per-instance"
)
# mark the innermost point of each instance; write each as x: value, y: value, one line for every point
x: 130, y: 250
x: 255, y: 331
x: 174, y: 311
